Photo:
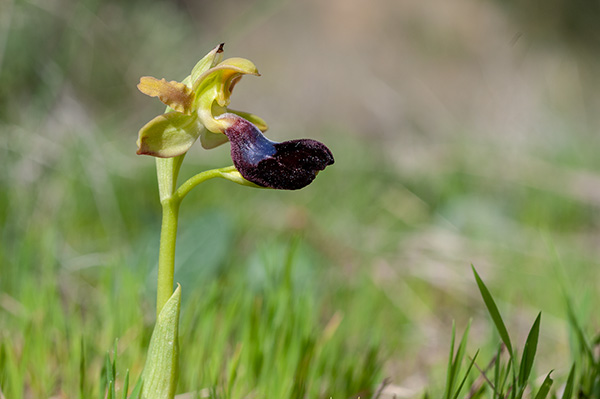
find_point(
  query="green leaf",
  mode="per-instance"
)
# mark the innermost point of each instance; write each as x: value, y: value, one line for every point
x: 161, y: 370
x: 529, y: 352
x: 493, y: 311
x: 545, y: 388
x: 568, y: 392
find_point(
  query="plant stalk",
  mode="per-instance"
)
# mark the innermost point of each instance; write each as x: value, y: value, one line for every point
x: 166, y: 255
x: 170, y: 199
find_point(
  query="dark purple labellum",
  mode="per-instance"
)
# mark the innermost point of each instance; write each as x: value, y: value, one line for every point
x: 289, y: 165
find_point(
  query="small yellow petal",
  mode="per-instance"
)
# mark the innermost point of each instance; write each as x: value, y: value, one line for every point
x: 174, y: 94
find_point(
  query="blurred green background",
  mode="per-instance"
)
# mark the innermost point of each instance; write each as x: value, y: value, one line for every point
x: 465, y: 132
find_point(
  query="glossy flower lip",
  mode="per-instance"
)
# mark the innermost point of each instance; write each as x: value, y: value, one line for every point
x: 289, y: 165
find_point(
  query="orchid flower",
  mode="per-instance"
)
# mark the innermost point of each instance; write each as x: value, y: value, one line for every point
x: 197, y: 107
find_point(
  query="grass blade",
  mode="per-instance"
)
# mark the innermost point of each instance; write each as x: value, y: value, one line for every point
x: 583, y: 342
x: 494, y: 313
x: 233, y: 369
x: 497, y: 370
x: 455, y: 362
x: 460, y: 352
x: 111, y: 389
x: 529, y: 353
x: 105, y: 377
x: 449, y: 375
x: 82, y: 394
x: 126, y: 385
x: 136, y: 393
x: 568, y: 393
x: 300, y: 382
x: 545, y: 388
x: 110, y: 375
x: 460, y: 386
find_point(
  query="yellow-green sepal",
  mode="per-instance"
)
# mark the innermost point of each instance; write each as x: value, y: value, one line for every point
x: 213, y: 89
x: 225, y: 72
x: 210, y: 140
x: 162, y: 365
x: 169, y: 135
x: 208, y: 61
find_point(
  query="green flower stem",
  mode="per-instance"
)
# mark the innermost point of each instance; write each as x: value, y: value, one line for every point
x: 229, y: 173
x: 170, y: 199
x: 166, y: 254
x: 167, y: 170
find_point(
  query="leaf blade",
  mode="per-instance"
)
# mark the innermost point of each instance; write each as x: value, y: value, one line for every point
x: 494, y: 312
x: 529, y: 352
x: 568, y: 392
x: 161, y: 371
x: 545, y: 388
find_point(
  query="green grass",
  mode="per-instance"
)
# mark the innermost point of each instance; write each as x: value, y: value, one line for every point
x: 269, y: 338
x: 507, y: 376
x: 276, y: 315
